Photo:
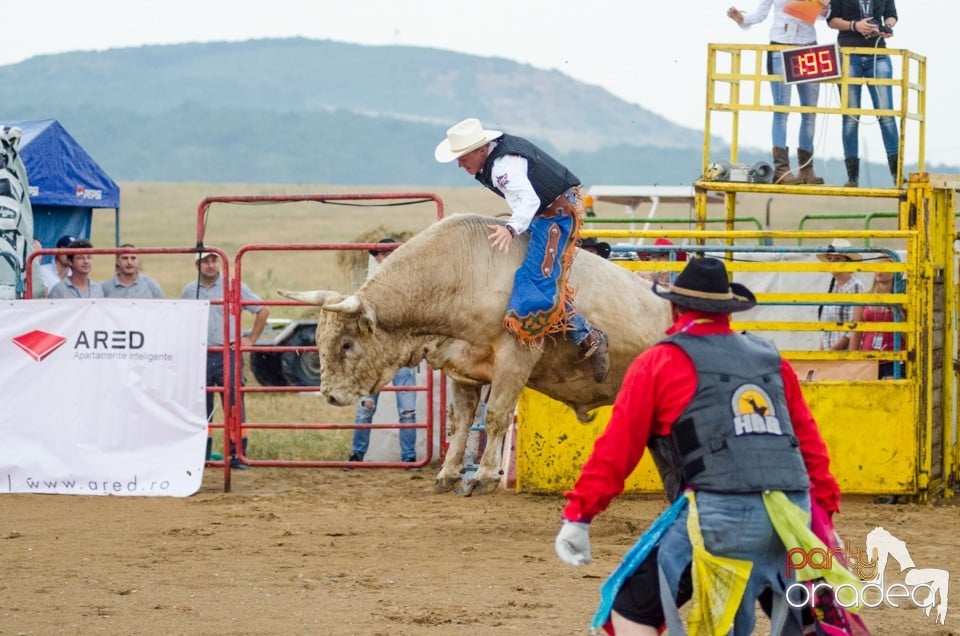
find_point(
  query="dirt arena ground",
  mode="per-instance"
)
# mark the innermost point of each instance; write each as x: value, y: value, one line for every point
x: 359, y: 552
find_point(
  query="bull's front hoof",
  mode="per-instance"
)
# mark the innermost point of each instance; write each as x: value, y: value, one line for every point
x: 480, y: 486
x: 445, y: 484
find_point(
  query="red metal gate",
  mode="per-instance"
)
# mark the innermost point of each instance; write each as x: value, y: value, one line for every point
x: 233, y: 424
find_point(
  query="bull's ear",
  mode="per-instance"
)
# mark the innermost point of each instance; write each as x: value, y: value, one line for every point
x: 350, y: 306
x: 318, y: 297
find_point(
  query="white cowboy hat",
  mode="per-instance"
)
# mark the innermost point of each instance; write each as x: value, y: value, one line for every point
x: 842, y: 247
x: 462, y: 138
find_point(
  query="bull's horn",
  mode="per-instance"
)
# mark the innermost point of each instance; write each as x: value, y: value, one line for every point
x: 318, y: 297
x: 349, y: 305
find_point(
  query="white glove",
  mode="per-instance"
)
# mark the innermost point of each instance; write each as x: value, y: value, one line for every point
x: 573, y: 543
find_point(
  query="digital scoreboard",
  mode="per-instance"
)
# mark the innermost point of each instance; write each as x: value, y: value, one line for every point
x: 811, y: 63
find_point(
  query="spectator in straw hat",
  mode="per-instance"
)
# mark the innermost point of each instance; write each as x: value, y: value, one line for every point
x: 545, y: 201
x: 731, y: 434
x: 839, y: 251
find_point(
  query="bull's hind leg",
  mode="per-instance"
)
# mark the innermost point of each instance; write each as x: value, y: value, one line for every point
x: 511, y: 370
x: 496, y: 424
x: 463, y: 405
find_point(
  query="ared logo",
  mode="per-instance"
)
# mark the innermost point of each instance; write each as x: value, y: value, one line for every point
x: 39, y: 344
x: 753, y: 411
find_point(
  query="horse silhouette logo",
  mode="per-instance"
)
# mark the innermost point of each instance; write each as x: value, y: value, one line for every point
x: 931, y: 585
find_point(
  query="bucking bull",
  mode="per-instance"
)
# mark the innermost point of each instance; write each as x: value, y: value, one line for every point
x: 441, y: 297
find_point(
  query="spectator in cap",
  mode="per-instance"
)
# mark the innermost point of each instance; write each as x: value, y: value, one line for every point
x: 78, y: 284
x: 406, y: 400
x: 209, y: 286
x: 128, y: 281
x: 591, y: 244
x: 726, y: 439
x: 53, y: 272
x: 661, y: 277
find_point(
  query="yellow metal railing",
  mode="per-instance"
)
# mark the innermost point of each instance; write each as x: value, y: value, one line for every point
x: 885, y: 436
x: 878, y: 431
x: 736, y: 84
x: 743, y: 242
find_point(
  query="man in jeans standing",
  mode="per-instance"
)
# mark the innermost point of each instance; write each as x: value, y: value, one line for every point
x: 406, y: 407
x: 406, y: 400
x: 209, y: 286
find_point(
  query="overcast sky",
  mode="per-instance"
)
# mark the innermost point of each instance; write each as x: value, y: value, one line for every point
x: 651, y: 54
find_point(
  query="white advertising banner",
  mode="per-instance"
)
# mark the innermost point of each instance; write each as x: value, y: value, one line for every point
x: 103, y: 397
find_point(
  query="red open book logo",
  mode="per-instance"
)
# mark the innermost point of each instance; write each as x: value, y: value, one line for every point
x: 39, y: 344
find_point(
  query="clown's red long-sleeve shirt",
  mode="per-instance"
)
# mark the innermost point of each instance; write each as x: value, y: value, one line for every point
x: 656, y: 389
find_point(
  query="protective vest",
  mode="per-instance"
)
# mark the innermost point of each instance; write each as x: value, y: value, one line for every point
x: 736, y: 435
x: 548, y: 176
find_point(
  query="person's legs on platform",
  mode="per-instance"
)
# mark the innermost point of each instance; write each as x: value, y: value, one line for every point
x: 851, y: 125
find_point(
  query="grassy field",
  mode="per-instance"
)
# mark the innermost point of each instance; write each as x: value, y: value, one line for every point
x: 165, y: 215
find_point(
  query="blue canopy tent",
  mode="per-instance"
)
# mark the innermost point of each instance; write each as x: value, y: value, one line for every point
x: 66, y: 184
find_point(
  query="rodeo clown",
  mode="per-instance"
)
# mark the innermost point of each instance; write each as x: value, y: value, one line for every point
x: 732, y: 438
x: 545, y: 200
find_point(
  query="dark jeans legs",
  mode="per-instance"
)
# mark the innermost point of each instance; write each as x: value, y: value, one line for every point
x: 215, y: 378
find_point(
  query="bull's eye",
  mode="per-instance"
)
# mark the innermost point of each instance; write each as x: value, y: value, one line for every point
x: 346, y: 346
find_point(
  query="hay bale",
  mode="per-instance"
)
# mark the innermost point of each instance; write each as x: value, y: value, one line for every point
x: 354, y: 263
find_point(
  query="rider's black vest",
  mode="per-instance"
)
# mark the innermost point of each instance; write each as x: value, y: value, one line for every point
x: 736, y: 435
x: 548, y: 176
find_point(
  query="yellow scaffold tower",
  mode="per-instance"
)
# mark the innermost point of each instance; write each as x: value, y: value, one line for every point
x: 892, y: 436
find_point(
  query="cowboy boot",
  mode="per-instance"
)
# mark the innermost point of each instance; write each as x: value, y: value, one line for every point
x: 853, y: 172
x: 781, y: 167
x: 806, y: 173
x: 893, y: 162
x: 594, y: 349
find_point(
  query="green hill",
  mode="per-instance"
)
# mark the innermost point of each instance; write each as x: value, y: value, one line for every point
x: 317, y: 111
